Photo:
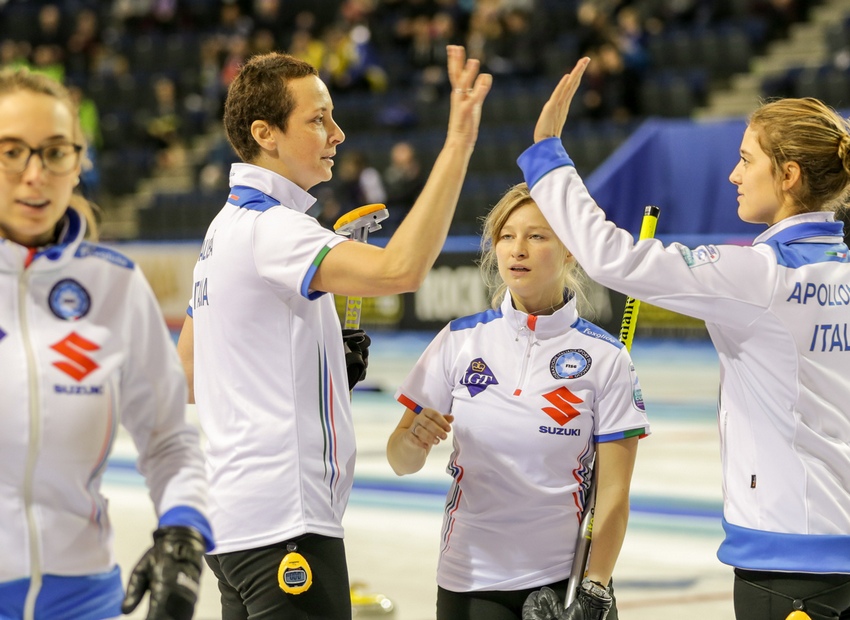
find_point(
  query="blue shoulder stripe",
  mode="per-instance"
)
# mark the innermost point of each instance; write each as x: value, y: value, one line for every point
x: 472, y: 320
x: 801, y: 254
x: 594, y: 331
x: 251, y: 198
x: 98, y: 251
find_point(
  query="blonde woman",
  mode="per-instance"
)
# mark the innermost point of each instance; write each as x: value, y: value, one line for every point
x: 531, y: 392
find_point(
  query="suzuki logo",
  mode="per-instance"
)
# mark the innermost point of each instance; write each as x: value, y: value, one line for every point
x: 563, y: 411
x: 72, y: 347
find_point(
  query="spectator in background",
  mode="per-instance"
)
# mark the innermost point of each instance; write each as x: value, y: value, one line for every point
x: 13, y: 54
x: 403, y: 181
x: 350, y: 63
x: 359, y: 183
x: 83, y: 43
x: 306, y: 47
x: 269, y: 15
x: 604, y: 89
x: 631, y: 41
x: 49, y: 29
x: 163, y: 123
x: 47, y: 59
x: 518, y: 50
x: 428, y: 40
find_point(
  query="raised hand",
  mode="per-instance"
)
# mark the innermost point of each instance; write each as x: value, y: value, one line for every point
x: 554, y: 113
x: 469, y: 89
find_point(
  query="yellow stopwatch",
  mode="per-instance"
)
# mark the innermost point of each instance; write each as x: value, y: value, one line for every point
x: 294, y: 575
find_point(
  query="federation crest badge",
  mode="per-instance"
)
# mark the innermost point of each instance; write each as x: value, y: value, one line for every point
x: 69, y: 300
x: 570, y: 364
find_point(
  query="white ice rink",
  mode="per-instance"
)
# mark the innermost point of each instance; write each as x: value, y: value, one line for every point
x: 667, y: 569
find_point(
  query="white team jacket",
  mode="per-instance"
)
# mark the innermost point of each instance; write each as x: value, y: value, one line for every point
x: 778, y: 314
x: 270, y: 380
x: 531, y: 396
x: 83, y: 347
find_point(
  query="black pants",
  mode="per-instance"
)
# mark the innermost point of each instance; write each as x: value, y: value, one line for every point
x: 496, y: 604
x: 248, y: 582
x: 766, y: 595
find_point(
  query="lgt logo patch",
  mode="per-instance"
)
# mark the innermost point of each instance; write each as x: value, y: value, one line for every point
x: 73, y: 347
x: 2, y: 334
x: 477, y: 377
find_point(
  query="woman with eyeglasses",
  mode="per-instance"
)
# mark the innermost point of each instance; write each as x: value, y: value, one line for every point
x: 83, y: 346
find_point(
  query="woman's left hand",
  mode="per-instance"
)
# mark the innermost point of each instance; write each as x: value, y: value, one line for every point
x: 429, y: 428
x: 554, y: 113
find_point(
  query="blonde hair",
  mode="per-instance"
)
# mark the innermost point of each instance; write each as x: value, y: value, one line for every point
x: 17, y: 80
x: 810, y: 133
x: 573, y: 278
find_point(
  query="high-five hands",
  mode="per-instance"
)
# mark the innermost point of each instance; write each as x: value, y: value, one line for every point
x: 554, y: 114
x: 429, y: 428
x: 468, y: 93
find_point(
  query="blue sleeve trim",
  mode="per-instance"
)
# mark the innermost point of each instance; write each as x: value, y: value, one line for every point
x: 311, y: 272
x: 190, y: 312
x: 639, y: 432
x: 189, y: 517
x: 800, y: 553
x: 542, y: 158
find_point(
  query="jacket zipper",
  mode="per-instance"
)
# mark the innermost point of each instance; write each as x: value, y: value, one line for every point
x: 32, y: 452
x: 530, y: 342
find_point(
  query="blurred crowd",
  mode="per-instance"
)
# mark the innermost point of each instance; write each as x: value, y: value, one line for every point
x: 152, y: 74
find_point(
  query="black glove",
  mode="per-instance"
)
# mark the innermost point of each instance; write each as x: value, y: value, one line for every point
x: 356, y: 343
x: 543, y: 604
x: 592, y: 602
x: 171, y: 570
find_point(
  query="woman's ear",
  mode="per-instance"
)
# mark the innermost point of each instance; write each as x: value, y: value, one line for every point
x: 791, y: 175
x: 262, y: 133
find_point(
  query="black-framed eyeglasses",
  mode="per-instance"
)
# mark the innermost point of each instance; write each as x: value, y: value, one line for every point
x: 58, y: 158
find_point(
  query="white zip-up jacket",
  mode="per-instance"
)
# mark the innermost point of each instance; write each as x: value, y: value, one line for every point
x: 777, y: 313
x: 532, y: 396
x: 83, y: 348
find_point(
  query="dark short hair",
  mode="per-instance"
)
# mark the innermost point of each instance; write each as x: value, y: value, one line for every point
x: 260, y: 92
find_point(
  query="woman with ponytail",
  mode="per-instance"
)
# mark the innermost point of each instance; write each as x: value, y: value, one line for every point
x: 778, y: 313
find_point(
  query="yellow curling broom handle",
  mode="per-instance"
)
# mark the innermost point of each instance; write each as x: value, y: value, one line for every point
x: 630, y: 312
x: 353, y: 306
x: 356, y: 223
x: 627, y: 332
